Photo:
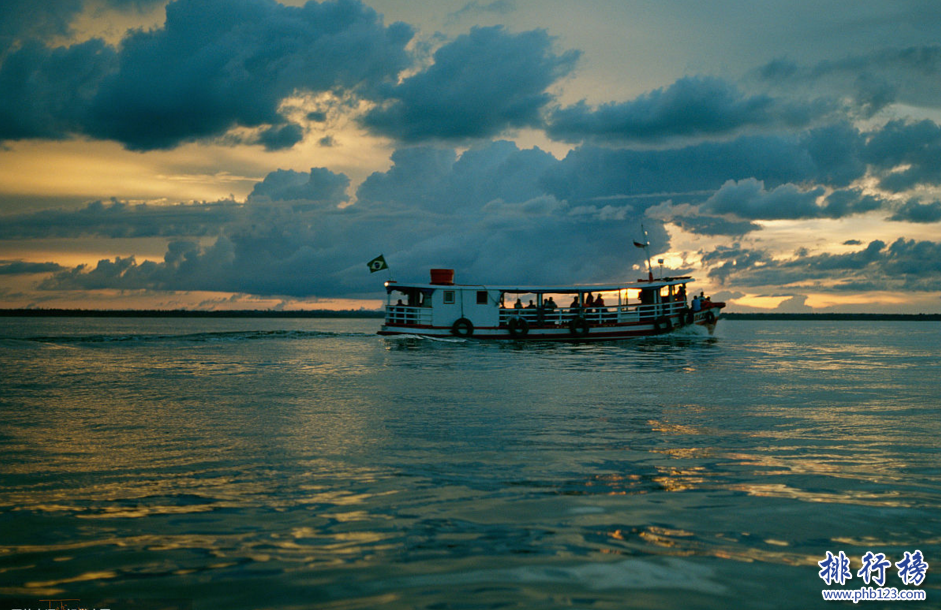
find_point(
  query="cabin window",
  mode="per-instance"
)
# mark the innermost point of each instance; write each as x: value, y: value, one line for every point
x: 481, y: 297
x: 449, y: 297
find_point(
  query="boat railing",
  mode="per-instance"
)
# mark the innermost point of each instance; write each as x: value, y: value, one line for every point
x: 617, y: 314
x: 404, y: 315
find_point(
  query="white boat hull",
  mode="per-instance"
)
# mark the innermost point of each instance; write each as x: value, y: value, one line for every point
x: 595, y: 332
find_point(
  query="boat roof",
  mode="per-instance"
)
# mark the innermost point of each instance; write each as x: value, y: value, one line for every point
x: 523, y: 289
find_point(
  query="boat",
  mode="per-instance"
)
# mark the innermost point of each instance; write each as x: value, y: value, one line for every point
x: 596, y: 312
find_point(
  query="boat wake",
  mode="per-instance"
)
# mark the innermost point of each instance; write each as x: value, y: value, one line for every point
x: 691, y: 330
x: 424, y: 338
x: 204, y: 337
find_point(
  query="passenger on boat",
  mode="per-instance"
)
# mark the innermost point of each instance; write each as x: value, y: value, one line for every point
x: 575, y: 304
x: 697, y: 304
x: 547, y: 309
x: 518, y: 304
x: 531, y: 305
x: 589, y: 302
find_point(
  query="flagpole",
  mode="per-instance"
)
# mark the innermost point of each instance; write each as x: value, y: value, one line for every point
x: 647, y: 252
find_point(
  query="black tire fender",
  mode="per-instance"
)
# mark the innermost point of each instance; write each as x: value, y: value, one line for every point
x: 518, y: 327
x: 663, y: 325
x: 579, y: 327
x: 462, y: 327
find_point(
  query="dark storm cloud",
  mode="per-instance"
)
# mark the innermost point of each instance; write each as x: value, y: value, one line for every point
x: 827, y: 155
x: 281, y: 137
x: 497, y: 213
x: 870, y: 81
x: 117, y: 219
x: 48, y: 18
x: 905, y: 155
x: 23, y: 20
x: 714, y: 225
x: 435, y: 179
x: 319, y: 186
x: 31, y: 19
x: 484, y: 214
x: 690, y: 107
x: 46, y: 93
x: 214, y: 65
x: 221, y: 63
x: 913, y: 211
x: 903, y: 265
x: 24, y: 268
x: 480, y: 84
x: 748, y: 199
x: 847, y: 202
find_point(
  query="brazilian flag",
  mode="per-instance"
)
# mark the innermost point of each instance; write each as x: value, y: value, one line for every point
x: 377, y: 264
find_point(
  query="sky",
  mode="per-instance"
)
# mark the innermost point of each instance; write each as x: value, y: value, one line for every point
x: 255, y: 154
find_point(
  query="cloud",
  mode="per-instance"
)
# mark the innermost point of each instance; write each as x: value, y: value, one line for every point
x: 22, y: 20
x: 483, y: 212
x: 749, y: 199
x: 913, y: 211
x: 281, y: 137
x: 476, y: 9
x: 319, y: 187
x: 903, y: 265
x: 870, y: 81
x: 47, y: 93
x: 214, y: 65
x: 25, y: 268
x: 435, y: 179
x: 221, y: 63
x: 117, y: 219
x: 847, y: 202
x: 794, y: 304
x: 827, y: 155
x: 480, y: 85
x: 905, y: 155
x: 691, y: 107
x: 689, y: 218
x: 26, y: 18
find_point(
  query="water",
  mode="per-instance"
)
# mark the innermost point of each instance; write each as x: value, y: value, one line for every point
x: 253, y: 463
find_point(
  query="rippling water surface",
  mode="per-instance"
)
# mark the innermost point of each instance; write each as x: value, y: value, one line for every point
x: 228, y: 463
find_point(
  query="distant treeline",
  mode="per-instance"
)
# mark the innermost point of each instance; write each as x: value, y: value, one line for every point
x: 190, y: 313
x: 875, y: 317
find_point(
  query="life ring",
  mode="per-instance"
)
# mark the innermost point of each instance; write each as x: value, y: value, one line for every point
x: 663, y: 325
x: 518, y: 327
x: 579, y: 327
x: 710, y: 317
x: 462, y: 327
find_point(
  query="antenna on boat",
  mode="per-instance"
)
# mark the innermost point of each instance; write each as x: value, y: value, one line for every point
x: 646, y: 246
